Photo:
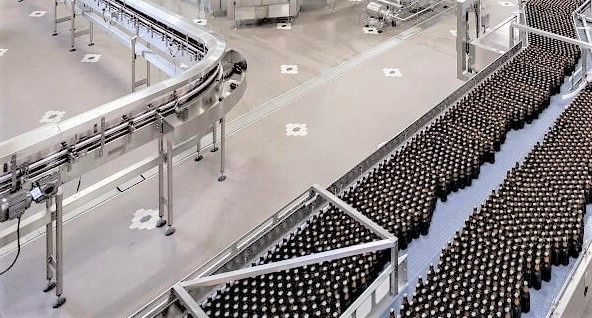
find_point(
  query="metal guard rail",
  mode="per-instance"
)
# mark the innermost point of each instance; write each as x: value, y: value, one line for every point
x: 200, y: 95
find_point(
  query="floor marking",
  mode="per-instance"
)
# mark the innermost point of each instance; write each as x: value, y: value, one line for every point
x: 52, y: 117
x: 332, y: 74
x: 284, y: 26
x: 144, y: 219
x: 289, y: 69
x: 506, y: 4
x: 91, y: 58
x: 2, y: 51
x: 370, y: 30
x: 299, y: 130
x: 453, y: 32
x: 392, y: 72
x: 37, y: 14
x: 200, y: 21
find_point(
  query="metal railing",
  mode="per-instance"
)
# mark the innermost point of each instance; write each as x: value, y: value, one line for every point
x: 186, y: 290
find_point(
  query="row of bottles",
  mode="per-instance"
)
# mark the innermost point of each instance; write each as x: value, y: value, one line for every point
x: 509, y: 245
x: 401, y: 194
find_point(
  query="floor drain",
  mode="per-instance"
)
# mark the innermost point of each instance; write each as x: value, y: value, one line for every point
x: 289, y: 69
x: 296, y: 130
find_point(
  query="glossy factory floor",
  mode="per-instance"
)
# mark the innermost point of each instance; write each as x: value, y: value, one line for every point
x: 340, y: 94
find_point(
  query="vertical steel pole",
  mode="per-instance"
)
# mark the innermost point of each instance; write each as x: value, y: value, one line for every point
x: 133, y: 59
x: 395, y: 263
x: 161, y: 156
x: 59, y: 266
x: 73, y: 26
x: 584, y: 62
x: 478, y: 18
x: 169, y: 156
x: 222, y: 176
x: 148, y: 67
x: 91, y: 34
x: 522, y: 35
x: 214, y: 138
x: 55, y: 18
x: 49, y: 259
x: 198, y: 157
x: 147, y: 73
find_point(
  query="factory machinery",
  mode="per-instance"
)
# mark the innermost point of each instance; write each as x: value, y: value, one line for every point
x: 206, y: 82
x: 380, y: 13
x: 334, y: 252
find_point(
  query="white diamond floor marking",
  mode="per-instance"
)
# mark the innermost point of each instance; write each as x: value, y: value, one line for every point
x: 299, y: 130
x: 52, y: 117
x: 144, y: 219
x: 91, y: 58
x: 370, y: 30
x: 3, y: 51
x: 200, y: 21
x: 37, y: 14
x: 507, y: 4
x: 289, y: 69
x: 392, y: 72
x: 284, y: 26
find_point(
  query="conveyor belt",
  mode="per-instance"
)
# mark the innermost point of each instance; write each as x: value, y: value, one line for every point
x: 533, y: 222
x: 402, y: 192
x: 102, y: 132
x: 450, y: 217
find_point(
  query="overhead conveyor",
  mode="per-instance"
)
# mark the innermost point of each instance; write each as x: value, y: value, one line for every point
x: 206, y: 82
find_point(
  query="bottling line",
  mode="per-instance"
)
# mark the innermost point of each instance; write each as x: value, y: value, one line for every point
x: 327, y: 253
x: 380, y: 13
x: 206, y: 81
x: 343, y: 251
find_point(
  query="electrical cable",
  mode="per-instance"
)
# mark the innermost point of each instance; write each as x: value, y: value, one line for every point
x: 18, y: 251
x: 79, y: 182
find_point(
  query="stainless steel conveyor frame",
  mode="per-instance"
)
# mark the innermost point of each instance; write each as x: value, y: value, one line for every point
x: 207, y: 80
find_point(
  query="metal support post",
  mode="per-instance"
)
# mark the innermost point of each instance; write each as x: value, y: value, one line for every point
x: 465, y: 51
x: 222, y: 176
x: 161, y: 157
x: 91, y: 34
x: 511, y: 37
x: 55, y: 18
x: 521, y: 16
x: 198, y: 157
x: 169, y: 158
x: 49, y: 258
x: 478, y: 22
x: 584, y: 63
x: 73, y: 26
x: 147, y: 73
x: 59, y: 266
x: 133, y: 59
x: 394, y: 289
x: 214, y: 138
